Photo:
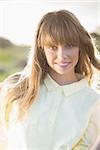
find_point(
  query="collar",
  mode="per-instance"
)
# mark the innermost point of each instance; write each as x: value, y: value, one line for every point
x: 68, y: 89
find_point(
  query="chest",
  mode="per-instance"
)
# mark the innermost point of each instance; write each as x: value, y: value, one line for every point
x: 53, y: 120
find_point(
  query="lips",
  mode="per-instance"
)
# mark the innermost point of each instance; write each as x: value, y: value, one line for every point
x: 63, y: 64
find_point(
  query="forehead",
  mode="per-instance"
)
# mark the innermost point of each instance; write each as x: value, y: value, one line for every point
x: 59, y: 31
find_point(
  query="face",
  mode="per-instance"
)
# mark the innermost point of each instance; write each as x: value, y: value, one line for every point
x: 62, y: 59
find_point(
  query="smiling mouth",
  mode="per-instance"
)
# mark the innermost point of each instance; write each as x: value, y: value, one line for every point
x: 63, y: 64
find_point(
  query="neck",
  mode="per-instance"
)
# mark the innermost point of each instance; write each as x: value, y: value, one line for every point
x: 64, y: 79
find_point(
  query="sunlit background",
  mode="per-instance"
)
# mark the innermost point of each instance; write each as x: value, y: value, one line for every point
x: 18, y: 19
x: 18, y: 23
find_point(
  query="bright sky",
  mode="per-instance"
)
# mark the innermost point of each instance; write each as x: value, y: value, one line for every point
x: 19, y: 18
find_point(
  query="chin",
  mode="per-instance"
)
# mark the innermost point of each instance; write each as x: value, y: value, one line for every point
x: 61, y: 72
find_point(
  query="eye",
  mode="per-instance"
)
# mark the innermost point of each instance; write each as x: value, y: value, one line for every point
x: 53, y: 48
x: 70, y: 46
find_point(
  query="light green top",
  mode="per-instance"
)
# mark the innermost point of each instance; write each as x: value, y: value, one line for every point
x: 62, y: 118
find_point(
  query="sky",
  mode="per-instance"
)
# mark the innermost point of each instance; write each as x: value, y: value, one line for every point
x: 19, y: 18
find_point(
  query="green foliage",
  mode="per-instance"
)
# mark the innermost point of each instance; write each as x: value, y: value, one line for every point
x: 12, y: 59
x: 97, y: 40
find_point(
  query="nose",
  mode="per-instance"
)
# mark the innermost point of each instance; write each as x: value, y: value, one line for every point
x: 61, y: 53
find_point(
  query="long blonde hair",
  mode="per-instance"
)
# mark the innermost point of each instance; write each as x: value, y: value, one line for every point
x: 58, y: 27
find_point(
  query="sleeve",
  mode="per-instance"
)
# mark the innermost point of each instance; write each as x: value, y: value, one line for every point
x: 5, y: 87
x: 91, y: 137
x: 3, y: 129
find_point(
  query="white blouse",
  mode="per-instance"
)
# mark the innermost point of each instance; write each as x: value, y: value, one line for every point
x: 62, y: 118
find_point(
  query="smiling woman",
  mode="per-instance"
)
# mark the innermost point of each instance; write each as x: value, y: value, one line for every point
x: 62, y: 61
x: 50, y: 105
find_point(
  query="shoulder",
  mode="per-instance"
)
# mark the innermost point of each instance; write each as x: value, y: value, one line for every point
x: 10, y: 80
x: 90, y: 91
x: 90, y: 95
x: 8, y: 84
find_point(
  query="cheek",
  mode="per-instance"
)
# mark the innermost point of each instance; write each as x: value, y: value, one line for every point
x: 75, y: 54
x: 49, y: 57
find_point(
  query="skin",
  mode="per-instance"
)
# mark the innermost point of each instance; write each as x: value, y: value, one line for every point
x: 62, y: 61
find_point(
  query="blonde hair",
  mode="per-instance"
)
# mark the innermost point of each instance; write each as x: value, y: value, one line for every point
x: 58, y: 27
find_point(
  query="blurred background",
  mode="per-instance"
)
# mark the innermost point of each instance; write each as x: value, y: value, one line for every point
x: 18, y: 23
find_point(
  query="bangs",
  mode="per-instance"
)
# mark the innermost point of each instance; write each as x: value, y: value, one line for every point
x: 58, y: 31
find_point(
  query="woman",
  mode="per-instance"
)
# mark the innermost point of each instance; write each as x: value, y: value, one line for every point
x: 50, y: 105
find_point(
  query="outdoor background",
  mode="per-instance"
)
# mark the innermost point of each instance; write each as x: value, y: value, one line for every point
x: 18, y: 23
